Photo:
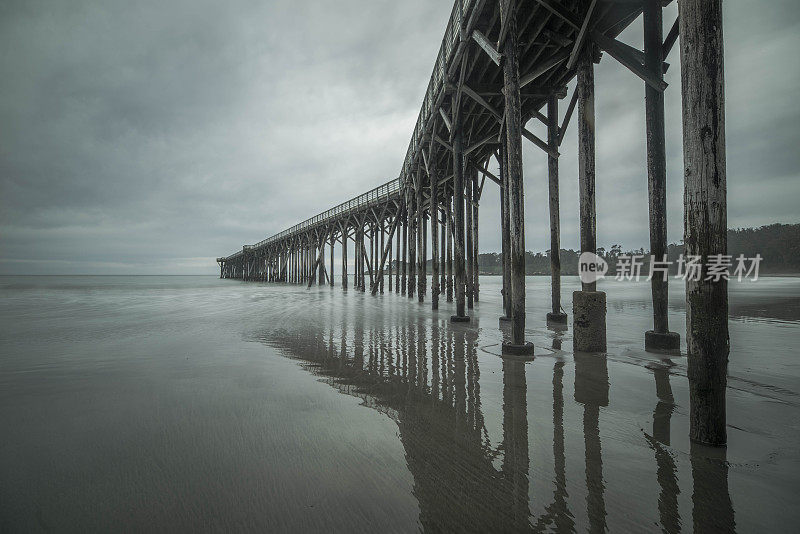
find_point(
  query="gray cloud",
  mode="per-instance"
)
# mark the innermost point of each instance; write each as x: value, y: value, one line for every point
x: 150, y: 137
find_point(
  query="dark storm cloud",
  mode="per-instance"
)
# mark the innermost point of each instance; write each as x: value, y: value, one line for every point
x: 151, y: 137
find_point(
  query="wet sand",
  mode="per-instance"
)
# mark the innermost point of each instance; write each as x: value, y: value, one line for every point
x: 191, y: 403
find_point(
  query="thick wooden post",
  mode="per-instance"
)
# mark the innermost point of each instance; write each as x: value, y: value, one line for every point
x: 344, y: 257
x: 424, y: 274
x: 659, y: 338
x: 516, y: 197
x: 412, y: 245
x: 321, y: 280
x: 333, y: 241
x: 443, y: 253
x: 383, y: 244
x: 389, y: 278
x: 404, y: 221
x: 588, y: 305
x: 420, y: 224
x: 505, y: 230
x: 449, y: 249
x: 586, y: 158
x: 705, y: 214
x: 555, y: 316
x: 468, y: 182
x: 434, y: 210
x: 458, y: 208
x: 475, y: 269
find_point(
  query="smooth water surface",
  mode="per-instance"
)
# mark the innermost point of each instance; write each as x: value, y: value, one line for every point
x: 193, y: 403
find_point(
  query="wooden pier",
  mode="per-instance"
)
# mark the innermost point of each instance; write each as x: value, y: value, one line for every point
x: 501, y: 64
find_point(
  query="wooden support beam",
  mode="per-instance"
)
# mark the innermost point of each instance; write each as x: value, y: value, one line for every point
x: 539, y: 143
x: 487, y: 46
x: 555, y: 315
x: 568, y: 115
x: 581, y: 39
x: 491, y: 138
x: 442, y: 142
x: 486, y: 173
x: 557, y: 37
x: 446, y: 120
x: 514, y: 129
x: 672, y: 36
x: 545, y: 66
x: 559, y: 11
x: 480, y: 100
x: 374, y: 286
x: 626, y: 58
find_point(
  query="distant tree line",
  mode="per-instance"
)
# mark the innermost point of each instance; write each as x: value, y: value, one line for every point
x: 778, y: 244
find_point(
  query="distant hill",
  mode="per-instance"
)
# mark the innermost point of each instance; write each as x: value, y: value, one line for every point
x: 778, y: 244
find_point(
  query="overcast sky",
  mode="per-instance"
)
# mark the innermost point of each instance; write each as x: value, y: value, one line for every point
x: 151, y: 137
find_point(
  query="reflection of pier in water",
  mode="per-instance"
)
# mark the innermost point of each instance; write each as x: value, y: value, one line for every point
x: 427, y: 381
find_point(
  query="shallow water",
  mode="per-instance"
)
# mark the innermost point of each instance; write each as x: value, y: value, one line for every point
x: 193, y: 403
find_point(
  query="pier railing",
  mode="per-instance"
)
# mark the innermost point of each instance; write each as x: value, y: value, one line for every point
x: 373, y: 197
x: 452, y: 35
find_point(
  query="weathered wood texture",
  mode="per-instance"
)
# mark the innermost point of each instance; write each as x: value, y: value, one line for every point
x: 705, y: 213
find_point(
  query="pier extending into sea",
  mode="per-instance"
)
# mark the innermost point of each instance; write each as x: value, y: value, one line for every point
x: 502, y: 64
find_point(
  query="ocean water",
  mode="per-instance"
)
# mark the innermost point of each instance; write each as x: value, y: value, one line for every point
x: 199, y: 404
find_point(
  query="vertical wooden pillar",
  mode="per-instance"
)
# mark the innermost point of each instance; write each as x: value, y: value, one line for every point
x: 434, y: 211
x: 555, y: 316
x: 420, y: 224
x: 458, y: 230
x: 505, y: 229
x: 405, y: 249
x: 443, y: 253
x: 363, y: 261
x: 380, y: 251
x: 321, y: 267
x: 468, y: 194
x: 449, y: 249
x: 516, y: 197
x: 389, y: 278
x: 588, y: 305
x: 475, y: 269
x: 659, y: 338
x: 330, y: 274
x: 397, y: 247
x: 412, y: 243
x: 705, y: 214
x: 424, y: 254
x: 344, y: 257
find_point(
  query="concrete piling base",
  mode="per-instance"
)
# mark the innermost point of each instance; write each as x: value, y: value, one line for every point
x: 459, y: 318
x: 518, y: 351
x: 557, y: 318
x: 589, y: 321
x: 669, y: 342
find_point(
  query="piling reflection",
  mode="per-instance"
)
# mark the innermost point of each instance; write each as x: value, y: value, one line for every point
x: 427, y: 378
x: 591, y: 390
x: 659, y: 440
